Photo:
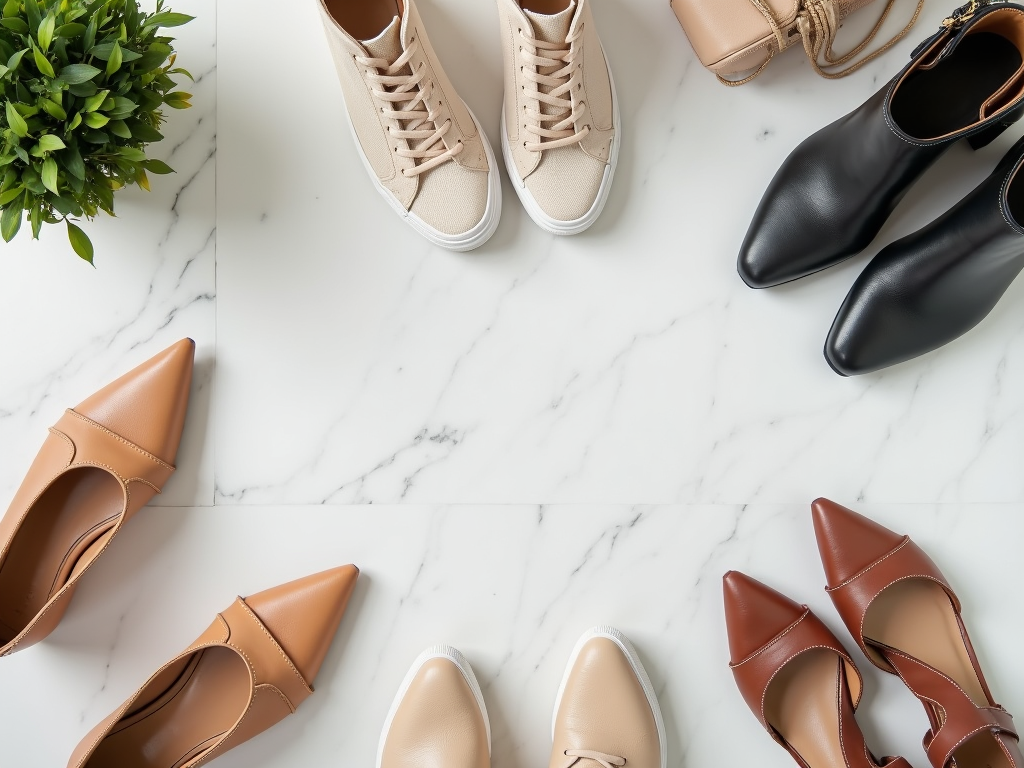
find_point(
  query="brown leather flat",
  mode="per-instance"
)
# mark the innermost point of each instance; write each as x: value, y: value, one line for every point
x: 796, y: 677
x: 101, y: 463
x: 899, y: 607
x: 248, y: 671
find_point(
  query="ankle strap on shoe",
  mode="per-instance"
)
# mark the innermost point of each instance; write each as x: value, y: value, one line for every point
x: 962, y: 718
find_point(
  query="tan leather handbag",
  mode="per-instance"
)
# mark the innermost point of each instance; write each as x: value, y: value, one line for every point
x: 736, y: 39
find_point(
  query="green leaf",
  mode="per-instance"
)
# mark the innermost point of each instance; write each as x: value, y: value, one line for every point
x: 114, y: 62
x: 15, y: 61
x: 178, y: 100
x: 10, y: 221
x: 36, y: 217
x: 143, y: 131
x: 158, y: 167
x: 51, y: 143
x: 12, y: 8
x: 22, y: 155
x: 96, y: 137
x: 168, y: 19
x: 16, y: 121
x: 45, y: 33
x: 64, y: 205
x: 132, y: 155
x: 11, y: 195
x: 118, y: 128
x: 54, y: 110
x: 35, y: 17
x: 182, y: 71
x: 83, y: 90
x: 95, y: 101
x: 75, y: 121
x: 74, y: 74
x: 89, y: 38
x: 49, y: 175
x: 15, y: 25
x: 45, y: 67
x: 80, y: 242
x: 150, y: 60
x: 73, y: 162
x: 95, y: 120
x: 70, y: 30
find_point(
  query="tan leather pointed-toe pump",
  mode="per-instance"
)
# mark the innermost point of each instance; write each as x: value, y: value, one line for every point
x: 905, y: 616
x: 101, y: 463
x: 796, y: 677
x: 248, y: 671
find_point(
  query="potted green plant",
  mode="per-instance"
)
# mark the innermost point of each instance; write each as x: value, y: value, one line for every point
x: 84, y: 86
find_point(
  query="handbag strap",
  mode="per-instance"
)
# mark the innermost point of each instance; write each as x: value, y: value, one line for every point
x: 818, y: 25
x: 818, y: 29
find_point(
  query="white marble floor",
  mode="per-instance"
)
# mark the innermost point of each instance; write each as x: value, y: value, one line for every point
x: 479, y: 432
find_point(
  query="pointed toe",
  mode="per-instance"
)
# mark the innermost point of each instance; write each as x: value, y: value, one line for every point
x: 303, y: 615
x: 848, y: 542
x: 147, y: 405
x: 755, y: 614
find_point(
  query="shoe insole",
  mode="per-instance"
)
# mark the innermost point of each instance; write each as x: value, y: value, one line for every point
x: 916, y: 617
x: 181, y: 715
x: 546, y: 7
x: 931, y: 103
x: 64, y: 530
x: 802, y: 705
x: 364, y: 19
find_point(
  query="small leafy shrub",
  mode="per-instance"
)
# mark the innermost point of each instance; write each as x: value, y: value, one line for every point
x: 84, y: 85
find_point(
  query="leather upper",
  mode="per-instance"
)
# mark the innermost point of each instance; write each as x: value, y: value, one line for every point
x: 115, y: 431
x: 306, y: 612
x: 438, y: 723
x: 767, y: 631
x: 604, y: 709
x: 835, y: 191
x: 929, y: 288
x: 864, y: 559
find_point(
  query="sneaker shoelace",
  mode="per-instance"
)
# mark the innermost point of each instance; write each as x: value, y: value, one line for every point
x: 607, y: 761
x: 554, y: 67
x: 406, y: 93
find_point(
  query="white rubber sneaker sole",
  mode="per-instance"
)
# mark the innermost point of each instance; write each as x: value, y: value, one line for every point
x: 610, y: 633
x: 437, y: 652
x: 545, y: 222
x: 467, y: 241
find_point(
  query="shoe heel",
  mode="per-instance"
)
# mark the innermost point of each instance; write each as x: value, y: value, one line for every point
x: 987, y: 136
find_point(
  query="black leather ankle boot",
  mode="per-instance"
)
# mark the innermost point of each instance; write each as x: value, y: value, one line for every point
x: 927, y: 289
x: 836, y: 190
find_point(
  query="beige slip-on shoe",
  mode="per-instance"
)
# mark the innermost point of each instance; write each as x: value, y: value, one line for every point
x: 438, y: 718
x: 560, y: 120
x: 423, y: 148
x: 606, y: 713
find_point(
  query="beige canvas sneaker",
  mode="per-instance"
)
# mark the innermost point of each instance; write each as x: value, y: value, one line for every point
x: 438, y: 718
x: 607, y: 713
x: 560, y: 120
x: 421, y: 145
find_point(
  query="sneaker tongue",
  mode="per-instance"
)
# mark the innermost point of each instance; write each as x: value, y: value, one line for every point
x: 555, y: 28
x: 388, y: 44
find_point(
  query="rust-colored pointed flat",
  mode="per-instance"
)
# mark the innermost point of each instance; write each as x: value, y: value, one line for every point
x: 101, y: 463
x: 796, y: 677
x: 900, y: 608
x: 247, y: 672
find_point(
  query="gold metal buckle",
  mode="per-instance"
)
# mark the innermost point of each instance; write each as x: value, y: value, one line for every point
x: 961, y: 15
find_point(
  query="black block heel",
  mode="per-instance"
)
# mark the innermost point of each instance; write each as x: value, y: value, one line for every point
x: 987, y: 136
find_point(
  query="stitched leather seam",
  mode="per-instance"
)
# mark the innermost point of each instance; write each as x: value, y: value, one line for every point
x: 764, y: 693
x: 774, y: 640
x: 902, y: 544
x: 277, y: 645
x: 117, y: 437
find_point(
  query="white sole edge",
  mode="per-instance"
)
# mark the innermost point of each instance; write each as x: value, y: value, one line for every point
x: 610, y: 633
x: 467, y: 241
x: 437, y: 652
x: 545, y: 222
